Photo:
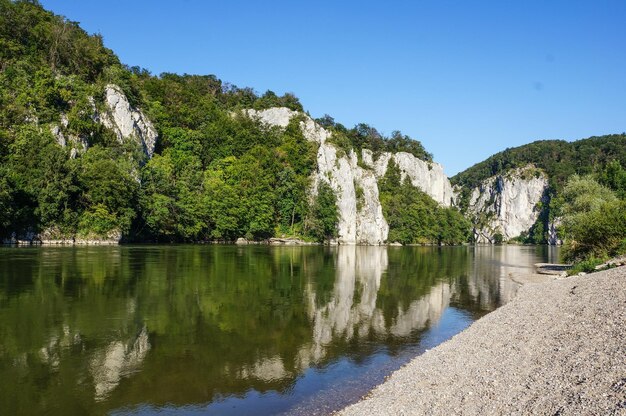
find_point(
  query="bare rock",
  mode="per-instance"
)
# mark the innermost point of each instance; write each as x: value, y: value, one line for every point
x: 507, y: 204
x: 127, y: 121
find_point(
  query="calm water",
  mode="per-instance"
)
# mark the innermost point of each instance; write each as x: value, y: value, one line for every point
x: 231, y: 330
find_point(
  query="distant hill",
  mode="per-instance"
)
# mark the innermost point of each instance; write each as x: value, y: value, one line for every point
x: 525, y: 182
x: 558, y: 158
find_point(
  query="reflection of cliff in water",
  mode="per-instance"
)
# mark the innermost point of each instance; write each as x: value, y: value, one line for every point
x: 352, y: 311
x: 491, y: 272
x: 102, y: 328
x: 119, y: 359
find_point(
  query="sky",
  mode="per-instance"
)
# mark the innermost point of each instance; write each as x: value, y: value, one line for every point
x: 466, y: 78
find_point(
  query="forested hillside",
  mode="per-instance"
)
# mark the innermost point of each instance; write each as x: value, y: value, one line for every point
x: 558, y: 158
x: 189, y: 163
x: 215, y: 174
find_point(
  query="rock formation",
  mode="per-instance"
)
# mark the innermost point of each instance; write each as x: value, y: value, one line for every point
x: 127, y: 121
x: 77, y: 144
x: 124, y: 120
x: 427, y: 176
x: 361, y: 219
x: 504, y: 206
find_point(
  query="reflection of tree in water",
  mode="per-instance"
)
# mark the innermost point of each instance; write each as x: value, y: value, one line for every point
x: 188, y: 324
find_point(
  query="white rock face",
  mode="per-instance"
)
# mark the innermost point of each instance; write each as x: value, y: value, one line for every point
x: 507, y: 204
x: 276, y: 116
x: 361, y: 219
x: 427, y: 176
x: 127, y: 121
x: 124, y: 120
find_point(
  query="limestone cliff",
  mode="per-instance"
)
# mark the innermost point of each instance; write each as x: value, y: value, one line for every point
x: 124, y: 120
x: 428, y: 176
x: 504, y: 206
x: 361, y: 219
x: 127, y: 121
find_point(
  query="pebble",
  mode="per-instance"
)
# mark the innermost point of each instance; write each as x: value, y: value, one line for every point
x: 546, y: 352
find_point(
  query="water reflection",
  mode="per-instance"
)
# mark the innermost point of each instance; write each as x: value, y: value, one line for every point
x: 118, y: 359
x: 87, y: 330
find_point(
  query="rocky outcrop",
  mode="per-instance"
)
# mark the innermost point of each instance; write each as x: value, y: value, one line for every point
x: 281, y: 116
x: 427, y: 176
x: 77, y: 144
x: 361, y: 219
x: 505, y: 206
x: 55, y: 237
x: 124, y: 120
x: 26, y: 238
x: 127, y: 121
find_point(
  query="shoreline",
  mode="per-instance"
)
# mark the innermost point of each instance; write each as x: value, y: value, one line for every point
x: 557, y: 348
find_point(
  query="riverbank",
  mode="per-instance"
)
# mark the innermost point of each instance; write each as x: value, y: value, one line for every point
x: 557, y: 348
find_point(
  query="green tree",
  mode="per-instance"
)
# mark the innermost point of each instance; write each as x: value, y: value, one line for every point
x: 108, y: 189
x: 171, y: 195
x: 414, y: 217
x: 324, y: 216
x: 594, y: 220
x: 613, y: 176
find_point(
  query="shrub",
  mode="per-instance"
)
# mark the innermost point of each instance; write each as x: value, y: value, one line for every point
x: 594, y: 220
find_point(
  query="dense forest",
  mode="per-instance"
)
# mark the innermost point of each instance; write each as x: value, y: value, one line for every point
x: 215, y: 175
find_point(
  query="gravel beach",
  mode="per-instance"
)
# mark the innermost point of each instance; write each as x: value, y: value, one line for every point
x: 559, y: 348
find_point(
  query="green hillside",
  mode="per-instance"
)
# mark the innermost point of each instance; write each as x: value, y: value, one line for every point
x: 214, y: 175
x: 558, y: 158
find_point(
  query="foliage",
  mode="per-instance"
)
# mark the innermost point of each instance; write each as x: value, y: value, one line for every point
x: 558, y: 158
x: 594, y: 220
x: 214, y: 175
x: 414, y: 217
x: 324, y: 217
x: 613, y: 176
x: 363, y: 136
x: 587, y: 266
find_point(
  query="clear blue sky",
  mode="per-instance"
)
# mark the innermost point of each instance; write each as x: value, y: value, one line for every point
x: 467, y: 78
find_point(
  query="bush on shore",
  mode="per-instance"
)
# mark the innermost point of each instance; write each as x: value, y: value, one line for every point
x: 594, y: 221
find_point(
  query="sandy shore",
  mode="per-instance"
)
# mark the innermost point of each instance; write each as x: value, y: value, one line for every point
x: 559, y: 348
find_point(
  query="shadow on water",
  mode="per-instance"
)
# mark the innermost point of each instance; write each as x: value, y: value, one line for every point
x: 228, y: 329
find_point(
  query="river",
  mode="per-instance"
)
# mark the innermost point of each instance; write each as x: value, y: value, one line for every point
x: 231, y: 330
